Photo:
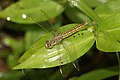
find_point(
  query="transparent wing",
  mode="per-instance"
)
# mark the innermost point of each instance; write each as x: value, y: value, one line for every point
x: 71, y: 53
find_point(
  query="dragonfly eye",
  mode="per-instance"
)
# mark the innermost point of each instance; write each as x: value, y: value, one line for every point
x: 48, y: 45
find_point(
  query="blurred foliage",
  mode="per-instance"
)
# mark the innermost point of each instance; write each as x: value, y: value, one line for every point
x: 25, y: 25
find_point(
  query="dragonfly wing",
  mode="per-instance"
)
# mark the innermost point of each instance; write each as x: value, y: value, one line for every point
x: 65, y: 70
x: 71, y: 53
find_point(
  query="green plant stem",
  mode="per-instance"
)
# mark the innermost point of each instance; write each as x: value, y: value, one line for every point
x: 118, y: 57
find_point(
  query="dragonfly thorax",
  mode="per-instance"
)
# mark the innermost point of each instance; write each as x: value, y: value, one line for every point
x: 55, y: 40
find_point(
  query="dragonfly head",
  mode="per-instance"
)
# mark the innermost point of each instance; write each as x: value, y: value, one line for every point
x: 48, y: 45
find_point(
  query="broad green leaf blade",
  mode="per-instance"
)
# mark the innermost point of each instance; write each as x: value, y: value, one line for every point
x: 40, y: 57
x: 107, y: 43
x: 22, y: 11
x: 108, y: 9
x: 80, y: 4
x: 111, y: 25
x: 99, y: 74
x: 108, y: 34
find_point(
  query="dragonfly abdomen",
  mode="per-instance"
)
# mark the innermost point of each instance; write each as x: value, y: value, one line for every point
x: 55, y: 40
x: 73, y: 30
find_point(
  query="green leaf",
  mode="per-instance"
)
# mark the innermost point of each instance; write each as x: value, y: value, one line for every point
x: 108, y: 9
x: 74, y: 47
x: 107, y: 43
x: 108, y: 34
x: 81, y: 5
x: 111, y: 25
x: 99, y: 74
x: 25, y: 10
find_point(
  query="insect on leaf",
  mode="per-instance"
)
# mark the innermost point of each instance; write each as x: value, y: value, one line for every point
x: 38, y: 56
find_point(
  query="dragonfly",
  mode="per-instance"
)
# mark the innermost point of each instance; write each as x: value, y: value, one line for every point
x: 60, y: 37
x: 57, y: 39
